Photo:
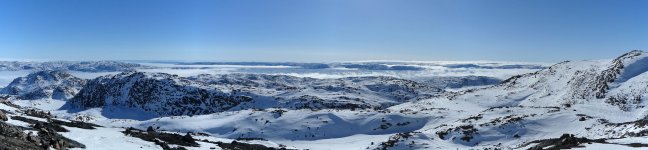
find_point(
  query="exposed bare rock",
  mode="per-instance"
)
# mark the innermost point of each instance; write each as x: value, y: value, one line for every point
x: 3, y: 116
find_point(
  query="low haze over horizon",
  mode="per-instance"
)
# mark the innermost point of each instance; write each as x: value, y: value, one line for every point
x: 321, y: 30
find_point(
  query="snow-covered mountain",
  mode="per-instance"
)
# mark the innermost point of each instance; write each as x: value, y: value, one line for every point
x: 159, y: 93
x: 84, y: 66
x: 599, y: 100
x: 167, y: 94
x: 595, y: 104
x: 618, y: 82
x: 45, y: 84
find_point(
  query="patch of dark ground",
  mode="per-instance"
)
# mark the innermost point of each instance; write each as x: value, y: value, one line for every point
x: 568, y: 141
x: 162, y: 139
x: 55, y: 127
x: 393, y: 140
x: 55, y: 123
x: 235, y: 145
x: 14, y: 137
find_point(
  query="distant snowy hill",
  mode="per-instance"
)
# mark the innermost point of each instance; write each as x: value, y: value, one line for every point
x: 85, y: 66
x: 374, y: 65
x: 45, y: 84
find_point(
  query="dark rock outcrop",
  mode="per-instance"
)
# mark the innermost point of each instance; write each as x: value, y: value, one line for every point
x: 566, y: 141
x: 160, y: 93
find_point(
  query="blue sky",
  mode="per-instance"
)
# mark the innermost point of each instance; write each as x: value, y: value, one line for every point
x: 321, y: 30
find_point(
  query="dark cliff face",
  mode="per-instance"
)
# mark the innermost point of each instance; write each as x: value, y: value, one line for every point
x: 45, y: 84
x: 161, y: 93
x: 614, y: 71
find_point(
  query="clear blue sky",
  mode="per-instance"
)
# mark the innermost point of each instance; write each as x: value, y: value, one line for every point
x: 321, y: 30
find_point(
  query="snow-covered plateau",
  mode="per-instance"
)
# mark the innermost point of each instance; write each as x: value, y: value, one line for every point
x: 589, y: 104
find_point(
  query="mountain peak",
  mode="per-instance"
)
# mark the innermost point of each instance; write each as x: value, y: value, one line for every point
x: 49, y: 75
x: 629, y: 56
x: 628, y: 65
x: 633, y: 53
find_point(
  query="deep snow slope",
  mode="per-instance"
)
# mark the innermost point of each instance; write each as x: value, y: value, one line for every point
x: 45, y: 84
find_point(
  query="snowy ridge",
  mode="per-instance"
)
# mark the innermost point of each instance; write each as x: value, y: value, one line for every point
x: 600, y: 99
x: 565, y: 83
